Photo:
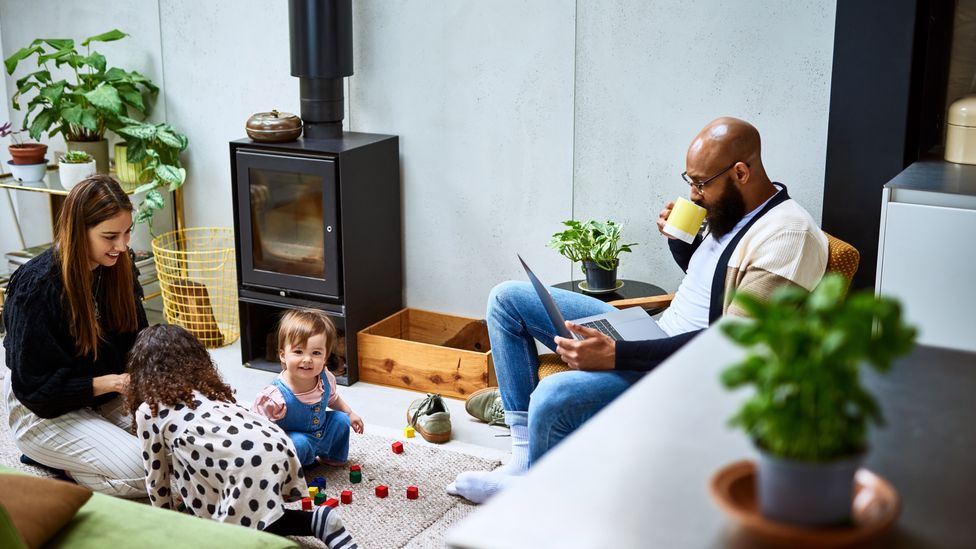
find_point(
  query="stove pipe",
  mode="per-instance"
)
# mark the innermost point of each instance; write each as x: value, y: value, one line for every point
x: 321, y: 56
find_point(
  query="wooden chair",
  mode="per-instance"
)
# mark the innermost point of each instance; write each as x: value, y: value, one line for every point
x: 841, y: 258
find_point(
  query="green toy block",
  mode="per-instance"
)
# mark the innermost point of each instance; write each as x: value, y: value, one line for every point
x: 319, y: 498
x: 355, y: 476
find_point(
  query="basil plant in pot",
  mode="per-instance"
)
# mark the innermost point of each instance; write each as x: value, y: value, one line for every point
x: 597, y: 246
x: 810, y: 412
x: 86, y: 104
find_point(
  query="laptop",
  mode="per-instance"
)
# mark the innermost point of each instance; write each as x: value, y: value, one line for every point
x: 631, y: 324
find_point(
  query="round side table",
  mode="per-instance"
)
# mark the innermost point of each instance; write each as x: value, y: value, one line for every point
x: 630, y: 290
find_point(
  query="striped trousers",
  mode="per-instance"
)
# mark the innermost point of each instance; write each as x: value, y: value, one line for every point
x: 94, y: 446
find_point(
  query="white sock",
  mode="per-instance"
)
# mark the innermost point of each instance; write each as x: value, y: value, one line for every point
x: 519, y: 463
x: 478, y: 486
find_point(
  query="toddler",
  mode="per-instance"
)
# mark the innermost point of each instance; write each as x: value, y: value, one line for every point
x: 298, y: 398
x: 221, y: 460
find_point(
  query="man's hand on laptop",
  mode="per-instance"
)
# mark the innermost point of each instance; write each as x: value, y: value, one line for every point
x: 595, y: 352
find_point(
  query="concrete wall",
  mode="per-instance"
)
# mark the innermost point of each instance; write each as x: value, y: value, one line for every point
x: 512, y: 115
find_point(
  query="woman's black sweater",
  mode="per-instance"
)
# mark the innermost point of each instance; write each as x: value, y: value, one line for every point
x: 47, y: 374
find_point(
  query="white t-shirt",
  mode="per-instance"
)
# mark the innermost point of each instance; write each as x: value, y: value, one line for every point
x: 689, y: 309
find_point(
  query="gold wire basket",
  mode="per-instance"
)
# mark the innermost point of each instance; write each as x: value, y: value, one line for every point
x: 198, y: 280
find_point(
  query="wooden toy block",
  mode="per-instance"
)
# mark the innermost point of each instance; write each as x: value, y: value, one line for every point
x: 412, y: 492
x: 320, y: 498
x: 408, y: 431
x: 346, y: 496
x: 318, y: 482
x: 398, y: 447
x: 306, y: 504
x: 355, y: 477
x: 355, y: 468
x: 382, y: 491
x: 332, y: 502
x: 312, y: 490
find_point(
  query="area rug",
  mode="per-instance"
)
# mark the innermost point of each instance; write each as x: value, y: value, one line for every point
x: 394, y: 521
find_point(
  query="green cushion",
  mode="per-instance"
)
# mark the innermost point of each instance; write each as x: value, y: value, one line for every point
x: 106, y: 521
x: 9, y: 538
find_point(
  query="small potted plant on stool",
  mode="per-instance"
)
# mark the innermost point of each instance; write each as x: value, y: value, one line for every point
x: 597, y: 246
x: 809, y: 414
x: 75, y: 166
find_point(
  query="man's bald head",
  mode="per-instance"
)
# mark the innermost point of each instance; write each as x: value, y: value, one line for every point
x: 726, y: 140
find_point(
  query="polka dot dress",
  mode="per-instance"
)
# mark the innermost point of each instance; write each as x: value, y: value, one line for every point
x: 221, y: 460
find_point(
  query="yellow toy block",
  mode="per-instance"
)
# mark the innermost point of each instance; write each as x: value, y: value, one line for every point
x: 408, y: 431
x: 312, y: 491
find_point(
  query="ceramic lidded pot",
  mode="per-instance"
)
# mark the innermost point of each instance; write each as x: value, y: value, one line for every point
x: 274, y: 127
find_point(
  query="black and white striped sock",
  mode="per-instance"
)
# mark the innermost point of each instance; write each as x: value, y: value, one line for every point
x: 327, y: 526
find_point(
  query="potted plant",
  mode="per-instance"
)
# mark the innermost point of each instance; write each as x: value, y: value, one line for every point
x: 158, y: 148
x: 20, y: 152
x: 27, y: 161
x: 809, y: 414
x: 597, y: 246
x: 75, y: 166
x: 81, y: 108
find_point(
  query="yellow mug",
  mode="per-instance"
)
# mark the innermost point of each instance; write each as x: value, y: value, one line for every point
x: 685, y: 220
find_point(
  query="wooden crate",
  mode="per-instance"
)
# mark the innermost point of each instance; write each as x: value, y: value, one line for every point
x: 406, y: 350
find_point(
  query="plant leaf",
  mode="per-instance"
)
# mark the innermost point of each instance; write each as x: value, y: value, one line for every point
x: 96, y: 60
x: 42, y: 122
x: 171, y: 175
x: 131, y: 97
x: 89, y: 119
x: 11, y: 62
x: 114, y: 34
x: 106, y: 98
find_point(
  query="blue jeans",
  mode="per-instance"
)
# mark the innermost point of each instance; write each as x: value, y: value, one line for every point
x: 557, y: 406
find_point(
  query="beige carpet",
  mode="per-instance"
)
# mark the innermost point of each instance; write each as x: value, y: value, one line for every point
x: 375, y: 522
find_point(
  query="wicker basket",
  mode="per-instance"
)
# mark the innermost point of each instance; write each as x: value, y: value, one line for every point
x: 198, y: 279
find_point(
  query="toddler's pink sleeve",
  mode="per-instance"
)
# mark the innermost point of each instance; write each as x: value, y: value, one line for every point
x: 270, y: 403
x: 333, y: 393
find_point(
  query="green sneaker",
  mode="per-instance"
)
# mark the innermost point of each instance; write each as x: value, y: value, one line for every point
x: 430, y: 417
x: 486, y: 405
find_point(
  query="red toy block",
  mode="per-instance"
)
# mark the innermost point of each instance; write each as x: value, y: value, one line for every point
x: 355, y: 468
x: 382, y: 491
x: 346, y: 496
x: 306, y: 504
x: 331, y: 502
x: 412, y: 492
x: 398, y: 447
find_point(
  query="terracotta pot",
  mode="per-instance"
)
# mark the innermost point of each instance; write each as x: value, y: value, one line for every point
x: 27, y: 153
x: 273, y: 127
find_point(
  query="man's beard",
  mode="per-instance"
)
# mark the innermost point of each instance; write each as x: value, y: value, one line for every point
x: 726, y: 212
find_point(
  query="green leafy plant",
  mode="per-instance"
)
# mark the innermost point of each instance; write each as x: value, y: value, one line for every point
x: 85, y: 107
x: 75, y: 157
x: 160, y: 145
x: 591, y: 241
x: 806, y: 351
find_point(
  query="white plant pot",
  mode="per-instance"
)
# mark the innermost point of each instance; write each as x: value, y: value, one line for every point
x: 72, y: 174
x: 27, y: 172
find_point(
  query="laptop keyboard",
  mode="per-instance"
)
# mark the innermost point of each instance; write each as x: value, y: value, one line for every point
x: 604, y: 327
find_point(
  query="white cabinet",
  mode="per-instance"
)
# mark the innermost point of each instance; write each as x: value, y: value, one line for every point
x: 927, y: 253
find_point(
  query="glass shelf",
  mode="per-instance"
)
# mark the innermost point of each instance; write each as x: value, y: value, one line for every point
x: 51, y: 184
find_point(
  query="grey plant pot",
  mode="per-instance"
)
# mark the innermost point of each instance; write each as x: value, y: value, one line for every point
x: 600, y: 279
x: 804, y: 492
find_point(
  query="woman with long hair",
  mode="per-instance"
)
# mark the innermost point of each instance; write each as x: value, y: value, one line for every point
x: 72, y: 315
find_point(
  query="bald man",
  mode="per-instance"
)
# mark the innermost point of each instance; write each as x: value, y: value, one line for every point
x: 757, y: 239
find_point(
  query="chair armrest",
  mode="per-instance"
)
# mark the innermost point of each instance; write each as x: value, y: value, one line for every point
x: 651, y: 302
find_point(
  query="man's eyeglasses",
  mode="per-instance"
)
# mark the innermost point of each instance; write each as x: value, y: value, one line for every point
x: 699, y: 185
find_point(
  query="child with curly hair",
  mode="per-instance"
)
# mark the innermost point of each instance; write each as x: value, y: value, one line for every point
x: 299, y: 398
x: 223, y: 461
